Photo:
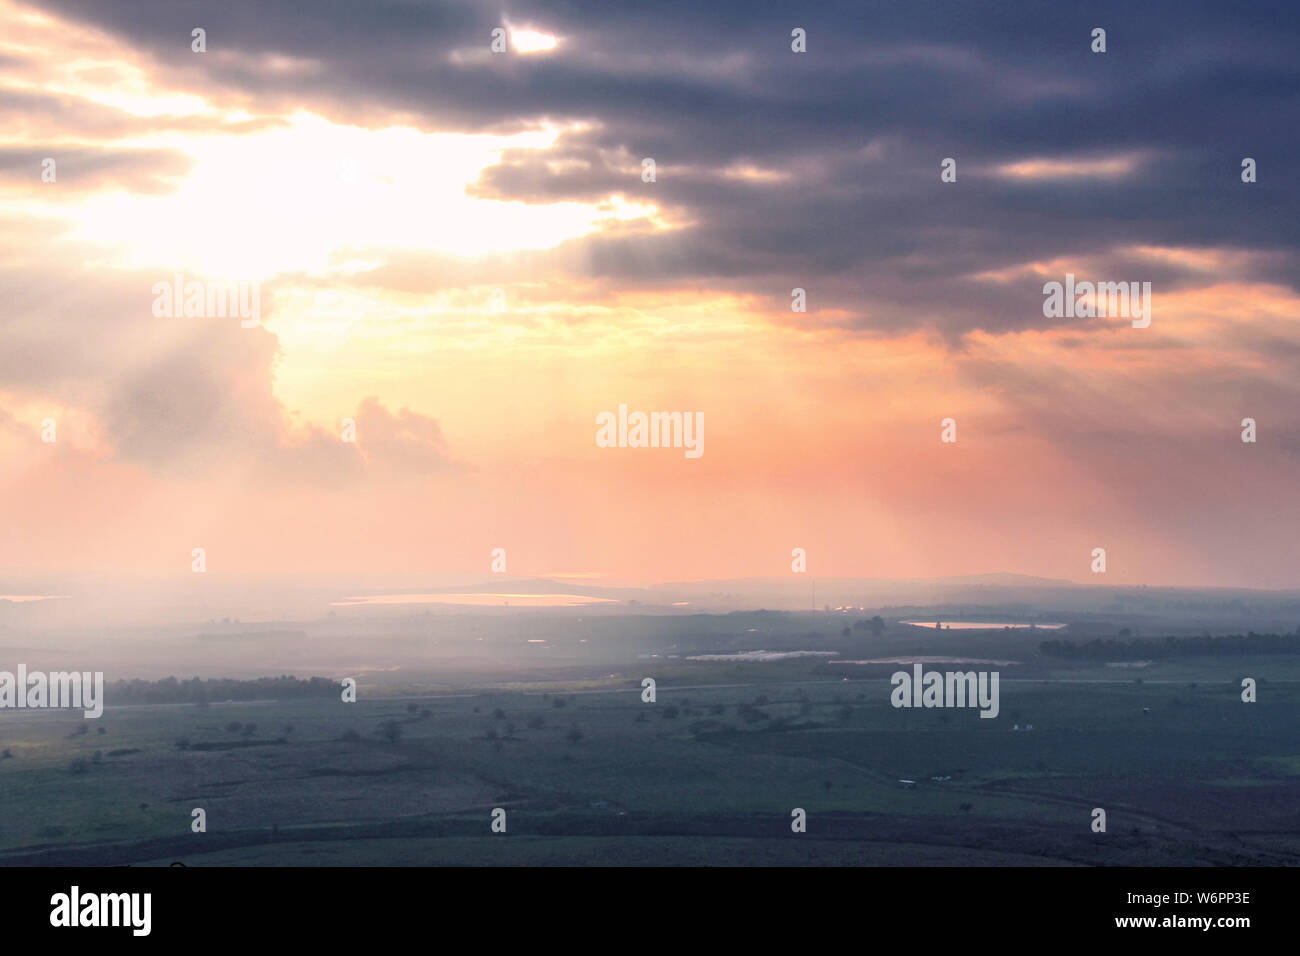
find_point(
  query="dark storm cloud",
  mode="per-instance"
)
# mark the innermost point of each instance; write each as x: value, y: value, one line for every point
x: 857, y: 128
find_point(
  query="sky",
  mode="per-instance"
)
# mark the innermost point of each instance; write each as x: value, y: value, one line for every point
x: 456, y: 251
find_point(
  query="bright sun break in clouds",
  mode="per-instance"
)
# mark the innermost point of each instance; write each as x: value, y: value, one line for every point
x: 260, y: 204
x: 531, y: 41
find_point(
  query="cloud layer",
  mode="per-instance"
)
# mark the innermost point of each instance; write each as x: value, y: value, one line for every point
x: 492, y: 271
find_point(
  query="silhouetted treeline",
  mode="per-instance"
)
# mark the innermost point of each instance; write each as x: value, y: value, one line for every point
x: 1148, y: 649
x: 169, y: 690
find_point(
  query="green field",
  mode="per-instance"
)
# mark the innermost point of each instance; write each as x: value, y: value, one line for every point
x: 708, y: 774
